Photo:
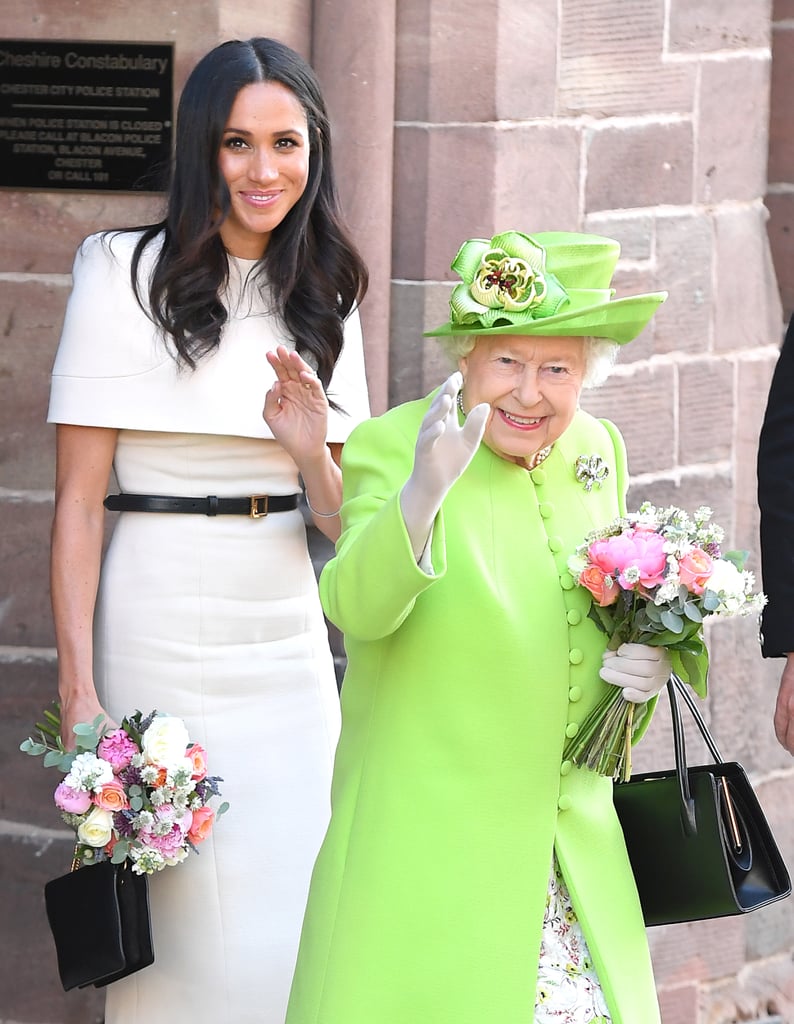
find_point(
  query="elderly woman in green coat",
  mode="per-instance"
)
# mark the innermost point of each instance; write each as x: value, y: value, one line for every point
x: 471, y: 874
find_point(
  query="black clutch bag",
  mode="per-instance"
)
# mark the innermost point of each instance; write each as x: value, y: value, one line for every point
x: 698, y: 841
x: 99, y: 919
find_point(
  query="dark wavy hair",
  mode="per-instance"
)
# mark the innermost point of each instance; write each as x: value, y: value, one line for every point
x: 313, y: 270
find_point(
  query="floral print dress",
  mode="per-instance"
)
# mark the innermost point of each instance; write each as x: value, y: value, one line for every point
x: 568, y: 990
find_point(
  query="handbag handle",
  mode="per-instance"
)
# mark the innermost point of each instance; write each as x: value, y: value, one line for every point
x: 688, y: 820
x: 675, y: 687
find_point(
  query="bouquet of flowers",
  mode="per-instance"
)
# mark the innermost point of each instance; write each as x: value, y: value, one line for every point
x: 654, y: 576
x: 139, y: 793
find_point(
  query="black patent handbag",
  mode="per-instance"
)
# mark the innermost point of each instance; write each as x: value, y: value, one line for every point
x: 99, y: 919
x: 699, y: 844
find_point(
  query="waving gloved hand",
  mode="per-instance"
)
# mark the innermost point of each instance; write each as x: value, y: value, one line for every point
x: 444, y: 449
x: 640, y: 669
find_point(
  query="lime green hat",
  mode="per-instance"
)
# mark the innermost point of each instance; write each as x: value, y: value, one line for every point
x: 551, y: 283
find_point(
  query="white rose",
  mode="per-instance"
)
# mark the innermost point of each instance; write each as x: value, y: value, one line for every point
x: 97, y: 828
x: 727, y: 581
x: 165, y: 741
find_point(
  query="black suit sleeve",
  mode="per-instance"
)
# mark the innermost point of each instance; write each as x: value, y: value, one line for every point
x: 776, y: 501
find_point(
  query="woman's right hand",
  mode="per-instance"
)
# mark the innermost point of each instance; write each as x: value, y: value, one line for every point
x: 444, y: 448
x: 83, y: 708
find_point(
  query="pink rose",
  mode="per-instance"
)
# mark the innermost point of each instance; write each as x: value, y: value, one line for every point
x: 602, y: 586
x: 201, y: 826
x: 73, y: 801
x: 118, y: 749
x: 198, y: 755
x: 110, y: 796
x: 694, y: 570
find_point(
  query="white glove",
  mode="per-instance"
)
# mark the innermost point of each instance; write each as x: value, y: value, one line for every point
x: 444, y: 449
x: 640, y: 669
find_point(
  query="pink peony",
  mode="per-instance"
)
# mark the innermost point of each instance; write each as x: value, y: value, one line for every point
x: 110, y: 796
x: 602, y: 586
x: 118, y: 749
x: 694, y: 570
x: 73, y: 801
x: 642, y: 550
x: 168, y: 845
x: 201, y: 825
x: 198, y: 755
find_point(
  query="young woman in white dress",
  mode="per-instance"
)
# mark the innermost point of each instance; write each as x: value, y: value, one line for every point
x: 213, y: 361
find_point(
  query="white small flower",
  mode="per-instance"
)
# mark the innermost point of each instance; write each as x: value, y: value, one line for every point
x: 631, y: 575
x: 149, y: 774
x: 146, y: 860
x: 144, y: 821
x: 89, y: 771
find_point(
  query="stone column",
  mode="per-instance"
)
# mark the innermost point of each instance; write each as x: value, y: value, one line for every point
x: 353, y: 52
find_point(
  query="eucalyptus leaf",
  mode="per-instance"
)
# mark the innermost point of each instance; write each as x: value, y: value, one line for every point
x: 672, y: 621
x: 33, y: 748
x: 711, y: 601
x: 737, y: 558
x: 692, y: 612
x: 120, y: 851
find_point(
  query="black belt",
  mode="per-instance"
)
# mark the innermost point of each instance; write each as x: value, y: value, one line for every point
x: 257, y: 506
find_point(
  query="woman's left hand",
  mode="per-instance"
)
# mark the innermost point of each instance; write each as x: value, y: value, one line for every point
x: 640, y: 669
x: 296, y: 409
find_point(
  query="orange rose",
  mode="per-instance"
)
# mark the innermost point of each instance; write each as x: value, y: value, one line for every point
x: 603, y: 587
x: 198, y: 756
x: 201, y: 825
x: 694, y: 570
x: 160, y: 778
x: 110, y: 796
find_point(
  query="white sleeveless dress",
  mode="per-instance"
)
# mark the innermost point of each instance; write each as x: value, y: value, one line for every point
x: 216, y: 620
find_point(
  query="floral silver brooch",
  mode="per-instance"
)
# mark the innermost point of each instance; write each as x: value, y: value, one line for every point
x: 591, y: 471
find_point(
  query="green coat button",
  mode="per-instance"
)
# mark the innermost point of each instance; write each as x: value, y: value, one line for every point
x: 571, y: 729
x: 546, y: 509
x: 574, y: 694
x: 574, y: 616
x: 564, y: 803
x: 566, y: 767
x: 575, y: 656
x: 555, y: 544
x: 566, y: 581
x: 538, y: 476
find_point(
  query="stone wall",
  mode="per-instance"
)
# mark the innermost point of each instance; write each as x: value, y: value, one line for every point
x: 648, y: 120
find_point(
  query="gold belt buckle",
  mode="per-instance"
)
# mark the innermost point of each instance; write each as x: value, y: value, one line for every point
x: 258, y: 506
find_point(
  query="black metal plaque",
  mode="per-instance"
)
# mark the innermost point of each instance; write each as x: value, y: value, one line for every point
x: 85, y: 116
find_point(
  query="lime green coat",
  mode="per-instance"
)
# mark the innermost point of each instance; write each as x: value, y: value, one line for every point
x: 450, y: 792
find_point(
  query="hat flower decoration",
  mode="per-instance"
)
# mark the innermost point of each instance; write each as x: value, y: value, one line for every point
x: 553, y: 283
x: 504, y: 281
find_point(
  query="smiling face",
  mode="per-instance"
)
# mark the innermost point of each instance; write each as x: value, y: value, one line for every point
x: 264, y: 160
x: 532, y: 385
